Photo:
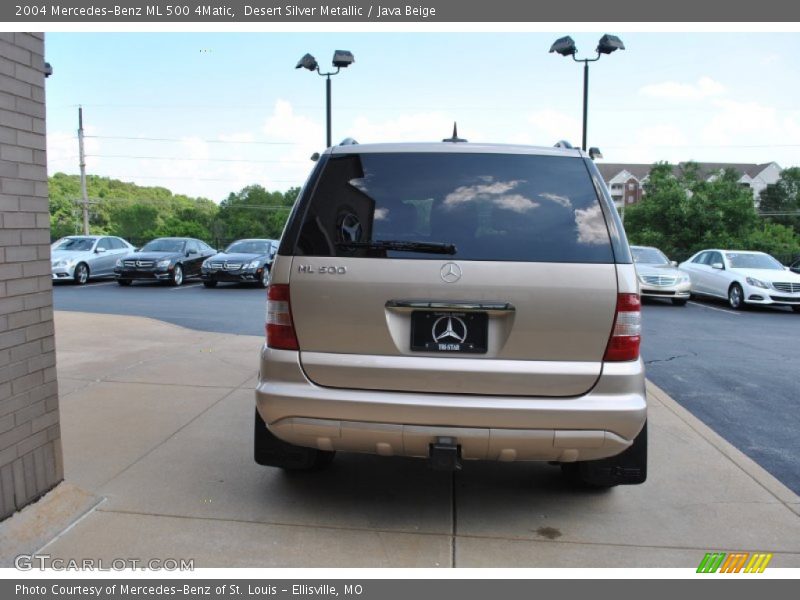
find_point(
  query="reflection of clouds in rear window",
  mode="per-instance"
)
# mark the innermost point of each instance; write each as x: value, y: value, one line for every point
x: 562, y: 200
x: 515, y: 202
x: 381, y: 214
x: 361, y: 183
x: 591, y: 226
x: 492, y: 191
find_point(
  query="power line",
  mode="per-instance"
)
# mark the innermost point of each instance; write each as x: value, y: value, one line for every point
x: 137, y: 176
x: 152, y: 139
x: 187, y: 158
x: 525, y: 107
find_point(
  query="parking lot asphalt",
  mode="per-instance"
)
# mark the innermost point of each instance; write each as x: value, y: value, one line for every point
x: 157, y: 423
x: 736, y: 371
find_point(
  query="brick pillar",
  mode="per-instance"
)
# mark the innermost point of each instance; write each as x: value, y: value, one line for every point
x: 30, y: 439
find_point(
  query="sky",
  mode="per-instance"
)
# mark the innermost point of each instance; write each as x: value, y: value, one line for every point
x: 205, y: 114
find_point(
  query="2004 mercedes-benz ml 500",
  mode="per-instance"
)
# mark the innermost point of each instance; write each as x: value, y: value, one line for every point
x: 454, y: 301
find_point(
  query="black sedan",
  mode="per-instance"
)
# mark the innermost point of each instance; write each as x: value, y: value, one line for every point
x: 164, y: 259
x: 244, y: 261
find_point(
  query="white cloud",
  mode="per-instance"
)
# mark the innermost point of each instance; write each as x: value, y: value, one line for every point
x: 62, y: 149
x: 737, y: 122
x: 418, y: 127
x: 652, y: 143
x: 242, y: 137
x: 550, y: 126
x: 673, y: 90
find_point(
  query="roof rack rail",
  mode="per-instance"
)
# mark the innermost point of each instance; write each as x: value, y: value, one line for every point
x: 563, y: 144
x: 348, y: 142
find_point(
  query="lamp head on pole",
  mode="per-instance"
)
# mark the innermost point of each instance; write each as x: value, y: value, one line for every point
x: 564, y: 46
x: 307, y: 62
x: 343, y: 59
x: 609, y: 43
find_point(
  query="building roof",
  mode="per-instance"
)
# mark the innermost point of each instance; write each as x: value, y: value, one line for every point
x: 640, y: 171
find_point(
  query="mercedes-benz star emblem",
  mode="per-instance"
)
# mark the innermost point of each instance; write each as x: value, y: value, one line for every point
x: 449, y: 327
x: 350, y: 228
x: 450, y: 272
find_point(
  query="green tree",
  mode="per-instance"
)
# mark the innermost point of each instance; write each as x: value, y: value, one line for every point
x: 783, y: 197
x: 254, y: 212
x: 138, y: 222
x: 778, y: 240
x: 684, y: 213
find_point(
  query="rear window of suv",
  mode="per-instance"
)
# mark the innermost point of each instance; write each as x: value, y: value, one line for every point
x: 497, y: 207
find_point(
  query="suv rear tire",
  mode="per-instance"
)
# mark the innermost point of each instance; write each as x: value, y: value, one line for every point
x: 271, y: 451
x: 627, y: 468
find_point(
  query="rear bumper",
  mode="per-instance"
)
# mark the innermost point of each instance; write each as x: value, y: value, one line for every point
x: 598, y: 424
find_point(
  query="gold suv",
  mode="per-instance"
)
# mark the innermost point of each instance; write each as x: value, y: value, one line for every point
x: 454, y: 301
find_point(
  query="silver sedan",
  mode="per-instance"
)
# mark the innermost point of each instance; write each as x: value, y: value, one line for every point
x: 78, y: 257
x: 658, y: 277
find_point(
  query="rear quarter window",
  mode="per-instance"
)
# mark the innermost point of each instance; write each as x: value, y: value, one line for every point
x: 490, y: 206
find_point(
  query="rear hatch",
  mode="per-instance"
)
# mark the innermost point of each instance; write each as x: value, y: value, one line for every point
x: 453, y: 272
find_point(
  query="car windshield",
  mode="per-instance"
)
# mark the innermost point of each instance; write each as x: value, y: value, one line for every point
x: 76, y: 244
x: 164, y: 245
x: 753, y: 261
x: 248, y: 247
x: 648, y: 256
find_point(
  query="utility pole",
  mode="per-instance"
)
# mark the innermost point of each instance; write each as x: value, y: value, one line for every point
x: 84, y: 193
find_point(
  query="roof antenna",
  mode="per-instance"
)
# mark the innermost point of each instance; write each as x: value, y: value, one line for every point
x: 455, y: 139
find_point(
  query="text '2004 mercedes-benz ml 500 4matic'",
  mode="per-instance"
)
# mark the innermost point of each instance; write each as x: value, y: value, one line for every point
x: 454, y: 301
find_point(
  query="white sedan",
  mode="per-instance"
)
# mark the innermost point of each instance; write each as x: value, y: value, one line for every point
x: 743, y: 278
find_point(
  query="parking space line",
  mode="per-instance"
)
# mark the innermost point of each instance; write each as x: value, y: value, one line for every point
x: 730, y: 312
x: 86, y: 285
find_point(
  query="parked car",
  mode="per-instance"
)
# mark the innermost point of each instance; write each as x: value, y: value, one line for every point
x: 78, y: 258
x: 244, y: 261
x: 658, y: 277
x: 164, y: 259
x: 743, y: 278
x: 454, y: 301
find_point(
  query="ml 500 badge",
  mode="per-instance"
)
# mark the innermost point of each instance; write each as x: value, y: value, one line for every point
x: 323, y: 269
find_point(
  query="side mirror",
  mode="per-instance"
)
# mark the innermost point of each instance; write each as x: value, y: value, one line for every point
x: 718, y: 266
x: 99, y: 250
x: 674, y: 263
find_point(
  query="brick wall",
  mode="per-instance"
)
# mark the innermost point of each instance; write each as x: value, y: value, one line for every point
x: 30, y: 440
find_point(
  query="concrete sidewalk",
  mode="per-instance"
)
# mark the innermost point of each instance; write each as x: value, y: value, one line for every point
x: 157, y: 423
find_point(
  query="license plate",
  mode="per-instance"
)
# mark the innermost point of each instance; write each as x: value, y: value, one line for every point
x: 449, y: 331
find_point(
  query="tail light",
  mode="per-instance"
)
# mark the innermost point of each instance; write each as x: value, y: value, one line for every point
x: 627, y: 333
x: 279, y: 326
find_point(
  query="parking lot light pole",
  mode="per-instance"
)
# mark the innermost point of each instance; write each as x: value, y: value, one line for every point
x: 566, y: 47
x: 341, y: 59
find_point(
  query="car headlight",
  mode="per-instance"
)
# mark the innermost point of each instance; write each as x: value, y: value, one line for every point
x: 757, y: 283
x: 254, y: 264
x: 685, y: 279
x: 119, y: 262
x: 164, y: 263
x: 206, y: 263
x: 64, y: 262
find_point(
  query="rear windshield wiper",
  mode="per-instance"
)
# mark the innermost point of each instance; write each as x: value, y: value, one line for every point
x: 402, y: 246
